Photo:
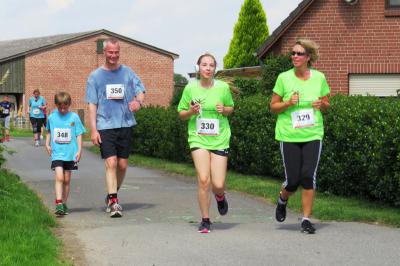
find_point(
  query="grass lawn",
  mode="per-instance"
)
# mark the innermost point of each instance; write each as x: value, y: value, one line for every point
x: 26, y: 236
x: 326, y: 207
x: 21, y: 132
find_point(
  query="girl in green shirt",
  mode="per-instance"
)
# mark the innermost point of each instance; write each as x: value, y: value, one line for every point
x: 206, y: 103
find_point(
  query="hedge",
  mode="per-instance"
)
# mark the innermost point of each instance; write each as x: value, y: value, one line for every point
x: 361, y: 148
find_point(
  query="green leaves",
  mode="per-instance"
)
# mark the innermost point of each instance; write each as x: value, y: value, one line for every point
x: 249, y: 33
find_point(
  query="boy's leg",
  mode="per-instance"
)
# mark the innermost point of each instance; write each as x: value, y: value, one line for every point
x: 66, y: 187
x: 59, y: 182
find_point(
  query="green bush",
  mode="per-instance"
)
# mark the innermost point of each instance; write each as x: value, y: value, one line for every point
x: 361, y: 148
x: 161, y: 133
x: 360, y: 155
x: 273, y: 66
x: 247, y: 87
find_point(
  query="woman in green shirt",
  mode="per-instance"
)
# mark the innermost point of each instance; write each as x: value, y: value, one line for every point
x: 299, y: 96
x: 206, y: 103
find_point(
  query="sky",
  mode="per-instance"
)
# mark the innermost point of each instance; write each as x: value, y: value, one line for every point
x: 188, y: 28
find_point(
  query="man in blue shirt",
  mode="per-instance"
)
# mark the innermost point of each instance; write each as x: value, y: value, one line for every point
x: 113, y: 92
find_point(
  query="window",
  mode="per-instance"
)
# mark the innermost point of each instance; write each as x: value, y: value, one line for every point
x: 99, y: 49
x: 381, y: 85
x: 392, y: 3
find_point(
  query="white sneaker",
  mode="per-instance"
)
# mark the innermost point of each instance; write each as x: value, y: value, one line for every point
x: 37, y: 143
x: 116, y: 210
x: 41, y: 137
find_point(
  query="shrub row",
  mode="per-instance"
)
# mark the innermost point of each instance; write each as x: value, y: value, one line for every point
x: 361, y: 148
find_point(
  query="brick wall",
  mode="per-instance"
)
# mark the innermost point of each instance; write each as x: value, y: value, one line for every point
x: 353, y: 39
x: 67, y: 68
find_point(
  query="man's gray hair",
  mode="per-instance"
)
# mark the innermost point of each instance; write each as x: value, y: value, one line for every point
x: 110, y: 40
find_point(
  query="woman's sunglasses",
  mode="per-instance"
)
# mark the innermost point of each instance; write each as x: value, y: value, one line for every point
x: 293, y: 53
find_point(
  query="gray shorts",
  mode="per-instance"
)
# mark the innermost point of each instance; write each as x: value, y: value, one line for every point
x: 5, y: 122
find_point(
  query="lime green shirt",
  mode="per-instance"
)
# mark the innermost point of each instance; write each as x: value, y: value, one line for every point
x: 208, y: 99
x: 287, y: 127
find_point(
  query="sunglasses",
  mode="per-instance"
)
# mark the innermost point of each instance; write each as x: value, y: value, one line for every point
x: 293, y: 53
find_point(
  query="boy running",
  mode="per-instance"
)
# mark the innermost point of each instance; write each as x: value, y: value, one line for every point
x: 64, y: 145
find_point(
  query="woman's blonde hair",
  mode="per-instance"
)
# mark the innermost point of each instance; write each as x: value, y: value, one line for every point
x: 311, y: 49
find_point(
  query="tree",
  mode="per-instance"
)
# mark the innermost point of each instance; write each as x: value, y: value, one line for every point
x: 249, y: 33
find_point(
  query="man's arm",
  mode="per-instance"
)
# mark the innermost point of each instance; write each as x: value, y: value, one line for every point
x: 95, y: 136
x: 136, y: 103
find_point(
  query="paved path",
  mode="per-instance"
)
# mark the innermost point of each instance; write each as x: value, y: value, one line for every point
x: 161, y: 216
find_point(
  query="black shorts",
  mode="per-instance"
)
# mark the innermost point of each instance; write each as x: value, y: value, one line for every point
x: 37, y: 124
x: 66, y: 165
x: 223, y: 152
x: 116, y: 142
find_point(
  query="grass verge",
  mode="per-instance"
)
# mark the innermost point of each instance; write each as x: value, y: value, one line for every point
x: 327, y: 207
x: 22, y: 132
x: 25, y: 226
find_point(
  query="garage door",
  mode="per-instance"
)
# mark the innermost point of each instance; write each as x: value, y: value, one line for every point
x: 378, y: 85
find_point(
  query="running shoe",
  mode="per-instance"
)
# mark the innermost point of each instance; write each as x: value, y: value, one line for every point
x: 59, y: 209
x: 307, y: 227
x: 116, y: 210
x: 66, y: 210
x: 280, y: 212
x: 37, y: 143
x: 205, y: 227
x: 222, y: 205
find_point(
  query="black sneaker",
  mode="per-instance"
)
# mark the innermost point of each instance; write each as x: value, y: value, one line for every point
x: 222, y: 206
x: 280, y: 212
x: 205, y: 227
x: 307, y: 227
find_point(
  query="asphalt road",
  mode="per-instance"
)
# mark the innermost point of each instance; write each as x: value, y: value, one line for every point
x: 161, y: 216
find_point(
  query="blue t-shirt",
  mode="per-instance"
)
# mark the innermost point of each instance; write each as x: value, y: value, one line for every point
x: 64, y: 130
x: 5, y: 108
x: 35, y: 111
x: 112, y: 91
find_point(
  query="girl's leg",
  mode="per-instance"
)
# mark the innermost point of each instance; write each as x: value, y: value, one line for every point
x: 201, y: 159
x: 218, y: 173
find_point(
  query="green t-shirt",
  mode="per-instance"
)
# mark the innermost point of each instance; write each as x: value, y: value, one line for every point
x: 300, y: 123
x: 202, y: 128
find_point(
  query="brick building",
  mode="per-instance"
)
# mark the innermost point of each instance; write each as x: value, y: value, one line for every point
x: 63, y: 62
x: 359, y: 42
